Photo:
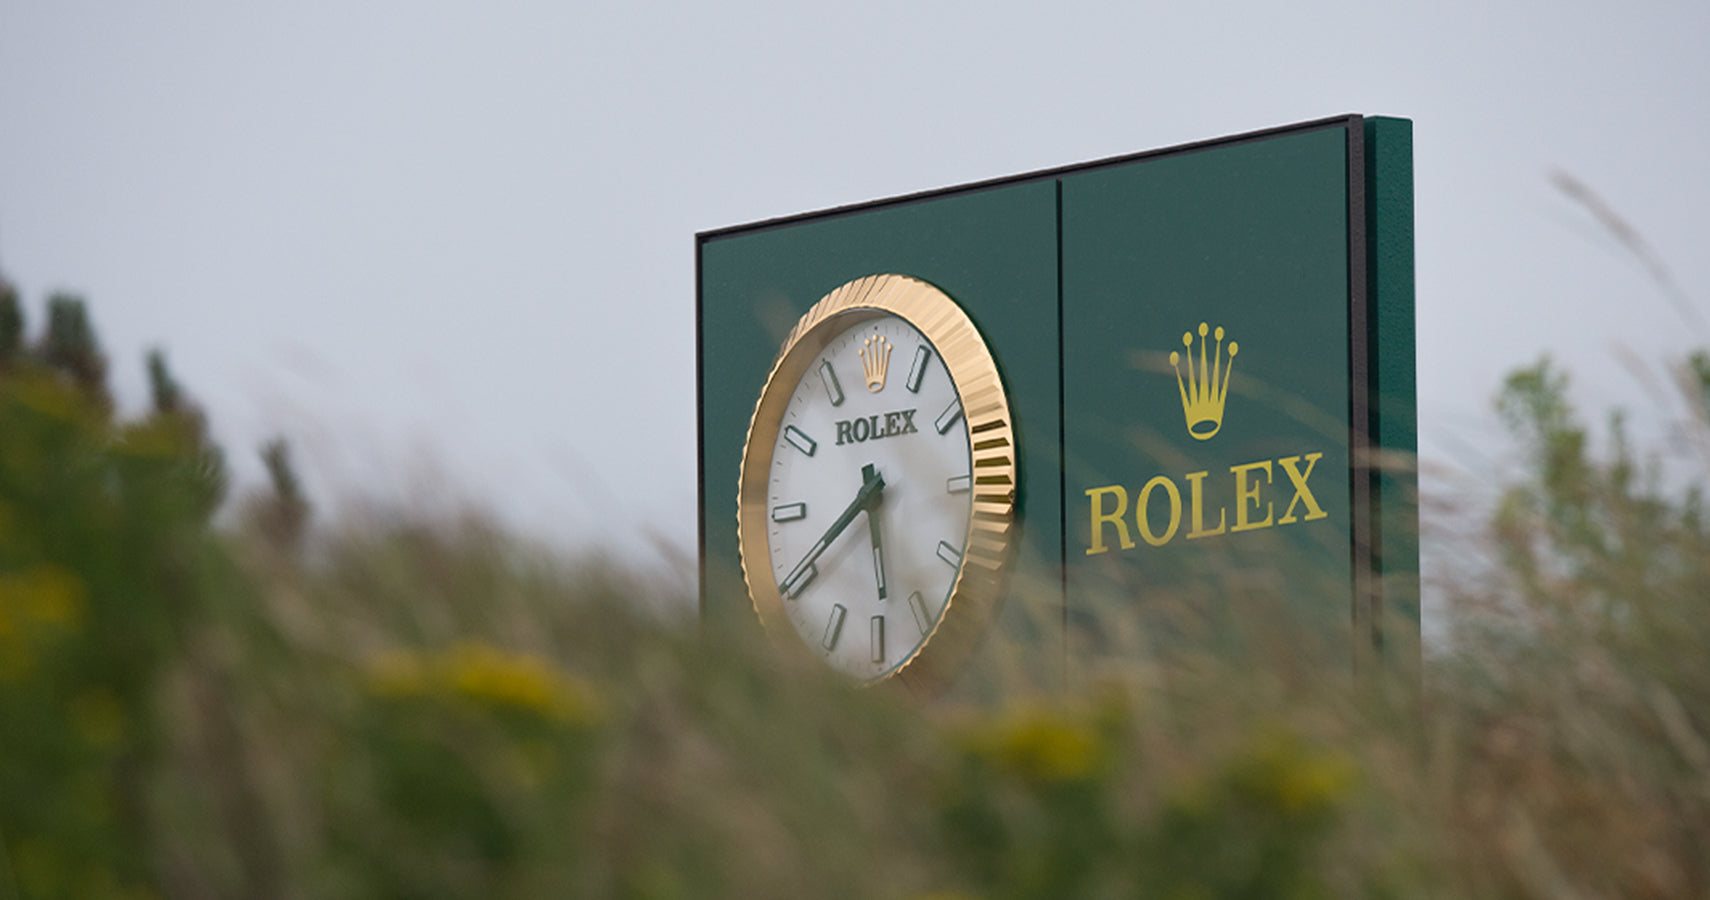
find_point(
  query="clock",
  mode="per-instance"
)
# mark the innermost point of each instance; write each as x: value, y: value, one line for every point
x: 876, y: 505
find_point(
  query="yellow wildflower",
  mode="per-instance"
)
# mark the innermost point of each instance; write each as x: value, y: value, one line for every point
x: 484, y: 674
x: 1045, y: 746
x: 45, y: 595
x: 1283, y: 770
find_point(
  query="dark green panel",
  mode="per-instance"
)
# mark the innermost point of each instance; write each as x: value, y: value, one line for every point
x: 993, y: 251
x: 1252, y: 237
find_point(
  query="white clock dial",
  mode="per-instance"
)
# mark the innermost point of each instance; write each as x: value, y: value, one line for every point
x: 876, y: 505
x: 869, y: 497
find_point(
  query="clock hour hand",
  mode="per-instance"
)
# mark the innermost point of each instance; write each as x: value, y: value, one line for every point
x: 872, y: 483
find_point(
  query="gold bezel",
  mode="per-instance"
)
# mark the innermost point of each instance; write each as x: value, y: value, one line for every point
x: 991, y: 536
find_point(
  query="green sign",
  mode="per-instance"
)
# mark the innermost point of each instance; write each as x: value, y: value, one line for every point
x: 1208, y: 354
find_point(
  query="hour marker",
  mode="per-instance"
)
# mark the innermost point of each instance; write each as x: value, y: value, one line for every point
x: 878, y: 639
x: 946, y: 418
x: 832, y: 388
x: 792, y: 586
x: 918, y: 603
x: 804, y: 443
x: 834, y: 627
x: 790, y: 512
x: 918, y: 370
x: 961, y: 484
x: 949, y: 554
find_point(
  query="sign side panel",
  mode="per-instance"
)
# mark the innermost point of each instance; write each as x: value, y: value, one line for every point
x: 1389, y: 173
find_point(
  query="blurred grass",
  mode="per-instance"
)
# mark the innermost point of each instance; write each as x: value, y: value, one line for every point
x: 396, y: 707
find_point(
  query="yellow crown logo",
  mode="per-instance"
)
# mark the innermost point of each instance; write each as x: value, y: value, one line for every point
x: 875, y: 359
x: 1206, y: 388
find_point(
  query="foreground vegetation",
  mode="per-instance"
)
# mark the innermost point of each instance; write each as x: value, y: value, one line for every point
x: 394, y: 707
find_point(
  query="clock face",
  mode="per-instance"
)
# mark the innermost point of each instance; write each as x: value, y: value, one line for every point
x: 876, y: 503
x: 870, y: 496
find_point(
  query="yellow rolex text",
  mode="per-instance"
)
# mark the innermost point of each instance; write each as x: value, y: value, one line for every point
x: 1246, y: 501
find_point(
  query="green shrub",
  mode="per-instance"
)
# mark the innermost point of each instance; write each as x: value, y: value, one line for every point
x: 103, y: 570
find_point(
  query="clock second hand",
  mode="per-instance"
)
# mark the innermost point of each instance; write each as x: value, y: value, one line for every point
x: 872, y: 483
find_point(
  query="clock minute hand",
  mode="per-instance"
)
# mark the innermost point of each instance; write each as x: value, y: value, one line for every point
x: 872, y: 483
x: 873, y: 531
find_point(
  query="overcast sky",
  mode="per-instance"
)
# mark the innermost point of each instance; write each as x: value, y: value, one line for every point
x: 447, y: 248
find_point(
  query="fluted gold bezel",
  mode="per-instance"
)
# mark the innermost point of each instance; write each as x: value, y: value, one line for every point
x: 992, y: 528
